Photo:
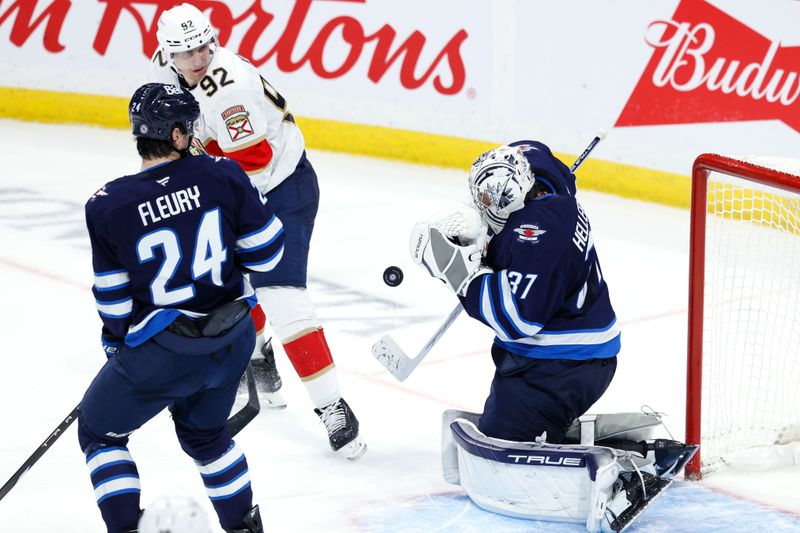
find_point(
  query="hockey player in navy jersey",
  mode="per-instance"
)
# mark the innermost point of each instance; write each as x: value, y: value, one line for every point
x: 169, y: 248
x: 538, y: 285
x: 246, y: 119
x: 522, y: 261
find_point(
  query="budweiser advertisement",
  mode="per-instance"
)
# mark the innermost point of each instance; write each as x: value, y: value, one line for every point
x: 666, y: 78
x: 709, y: 66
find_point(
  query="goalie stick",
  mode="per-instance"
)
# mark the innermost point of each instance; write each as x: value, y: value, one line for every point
x: 394, y: 359
x: 236, y: 423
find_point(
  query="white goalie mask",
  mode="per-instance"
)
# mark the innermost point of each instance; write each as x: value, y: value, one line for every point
x: 183, y: 28
x: 174, y: 515
x: 498, y: 181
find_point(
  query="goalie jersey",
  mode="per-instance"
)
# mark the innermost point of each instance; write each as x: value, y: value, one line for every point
x: 174, y: 240
x: 243, y: 117
x: 547, y: 298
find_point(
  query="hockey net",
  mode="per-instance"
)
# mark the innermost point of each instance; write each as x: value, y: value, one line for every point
x: 743, y: 379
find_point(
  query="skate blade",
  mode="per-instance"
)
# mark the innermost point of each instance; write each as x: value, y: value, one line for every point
x: 638, y: 512
x: 353, y: 450
x: 272, y: 400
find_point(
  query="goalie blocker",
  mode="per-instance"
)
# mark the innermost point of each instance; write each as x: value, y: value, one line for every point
x: 602, y: 486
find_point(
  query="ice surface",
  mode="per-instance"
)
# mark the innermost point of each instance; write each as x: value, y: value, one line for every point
x: 50, y: 333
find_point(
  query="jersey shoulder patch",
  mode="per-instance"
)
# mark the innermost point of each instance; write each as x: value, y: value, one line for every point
x: 529, y: 233
x: 237, y: 122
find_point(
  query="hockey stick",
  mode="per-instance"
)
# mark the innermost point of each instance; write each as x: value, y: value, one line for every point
x: 391, y: 356
x: 243, y: 416
x: 48, y: 442
x: 601, y: 134
x: 236, y: 423
x: 395, y: 360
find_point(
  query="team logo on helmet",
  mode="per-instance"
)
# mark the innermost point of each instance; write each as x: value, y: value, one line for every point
x: 529, y: 233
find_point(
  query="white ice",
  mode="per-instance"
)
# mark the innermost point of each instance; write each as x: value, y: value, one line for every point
x: 50, y: 332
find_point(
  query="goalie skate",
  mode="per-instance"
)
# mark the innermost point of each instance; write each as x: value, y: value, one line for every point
x: 632, y: 495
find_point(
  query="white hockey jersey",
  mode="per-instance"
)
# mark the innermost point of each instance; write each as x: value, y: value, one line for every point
x: 243, y: 117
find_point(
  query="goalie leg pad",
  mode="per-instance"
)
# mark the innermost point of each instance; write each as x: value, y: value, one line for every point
x: 449, y: 446
x: 533, y: 480
x: 604, y: 488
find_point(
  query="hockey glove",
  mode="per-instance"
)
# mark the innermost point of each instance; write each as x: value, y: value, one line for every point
x: 453, y: 264
x: 111, y: 343
x: 462, y: 224
x: 197, y: 148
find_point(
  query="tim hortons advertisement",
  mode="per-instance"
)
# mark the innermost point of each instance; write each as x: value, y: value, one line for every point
x: 374, y: 48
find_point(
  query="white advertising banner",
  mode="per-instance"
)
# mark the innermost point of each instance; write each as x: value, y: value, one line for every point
x: 667, y: 79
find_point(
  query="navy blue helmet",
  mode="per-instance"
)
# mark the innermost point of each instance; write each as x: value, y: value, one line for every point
x: 155, y: 109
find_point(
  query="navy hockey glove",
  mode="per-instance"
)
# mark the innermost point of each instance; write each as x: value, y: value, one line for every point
x: 444, y: 259
x: 111, y: 343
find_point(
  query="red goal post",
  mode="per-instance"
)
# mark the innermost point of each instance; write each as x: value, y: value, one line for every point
x: 757, y: 199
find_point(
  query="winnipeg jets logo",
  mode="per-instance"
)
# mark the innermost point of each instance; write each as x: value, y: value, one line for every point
x: 526, y: 147
x: 529, y: 233
x: 98, y: 193
x: 163, y: 181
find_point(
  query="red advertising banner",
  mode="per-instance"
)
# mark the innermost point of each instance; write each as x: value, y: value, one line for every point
x: 707, y: 66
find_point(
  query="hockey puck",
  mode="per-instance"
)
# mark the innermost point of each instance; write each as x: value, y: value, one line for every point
x: 393, y: 276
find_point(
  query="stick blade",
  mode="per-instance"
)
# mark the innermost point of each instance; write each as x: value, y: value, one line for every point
x: 246, y: 414
x: 392, y: 357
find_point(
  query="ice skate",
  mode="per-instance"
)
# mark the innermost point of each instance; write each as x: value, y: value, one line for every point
x: 342, y: 427
x: 252, y: 522
x: 671, y: 456
x: 268, y: 380
x: 633, y: 493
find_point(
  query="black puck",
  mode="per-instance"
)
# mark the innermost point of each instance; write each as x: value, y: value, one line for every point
x: 393, y: 276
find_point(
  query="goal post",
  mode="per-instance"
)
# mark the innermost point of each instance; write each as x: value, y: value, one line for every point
x: 743, y: 368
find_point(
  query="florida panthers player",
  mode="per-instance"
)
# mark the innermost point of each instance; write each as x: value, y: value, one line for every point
x: 169, y: 247
x: 247, y: 120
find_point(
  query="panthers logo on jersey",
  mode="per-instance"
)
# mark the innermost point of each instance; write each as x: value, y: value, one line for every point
x: 237, y: 122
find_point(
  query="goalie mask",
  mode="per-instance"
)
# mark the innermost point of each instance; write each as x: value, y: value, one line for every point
x: 182, y: 29
x: 498, y: 181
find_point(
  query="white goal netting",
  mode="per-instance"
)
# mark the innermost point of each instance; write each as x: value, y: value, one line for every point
x: 751, y: 316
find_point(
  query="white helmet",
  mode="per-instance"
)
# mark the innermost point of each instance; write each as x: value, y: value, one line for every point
x: 498, y: 182
x: 174, y: 515
x: 183, y: 28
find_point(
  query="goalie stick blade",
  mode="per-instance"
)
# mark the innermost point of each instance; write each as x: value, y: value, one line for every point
x: 392, y: 357
x: 246, y: 414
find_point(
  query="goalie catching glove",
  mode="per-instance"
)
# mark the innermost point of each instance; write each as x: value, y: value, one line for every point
x: 452, y: 263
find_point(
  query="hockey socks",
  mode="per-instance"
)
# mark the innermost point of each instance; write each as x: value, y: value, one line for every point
x: 227, y: 481
x: 313, y: 362
x: 259, y: 319
x: 116, y: 486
